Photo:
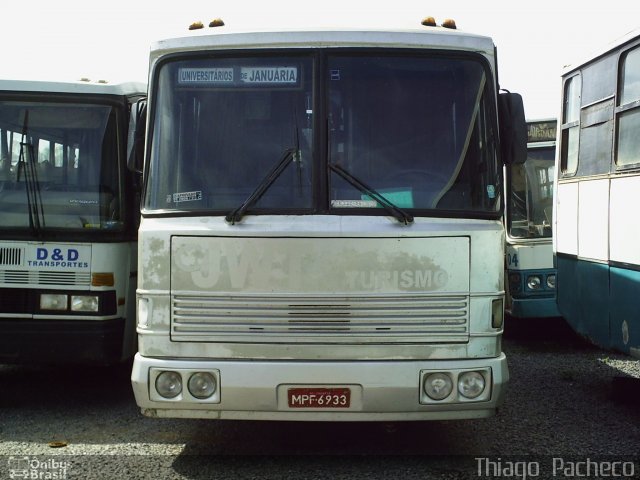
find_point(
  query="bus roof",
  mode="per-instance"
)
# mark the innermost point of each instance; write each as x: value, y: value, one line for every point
x: 619, y: 42
x: 228, y: 38
x: 79, y: 87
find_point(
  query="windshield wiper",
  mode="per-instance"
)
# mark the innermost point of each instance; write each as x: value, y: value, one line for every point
x: 287, y: 157
x: 26, y: 162
x: 397, y: 212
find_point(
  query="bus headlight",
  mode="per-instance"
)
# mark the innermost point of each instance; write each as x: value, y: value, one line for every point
x: 471, y: 384
x: 169, y: 384
x: 202, y: 385
x: 551, y: 282
x: 438, y: 386
x: 534, y: 282
x: 84, y: 303
x: 51, y: 301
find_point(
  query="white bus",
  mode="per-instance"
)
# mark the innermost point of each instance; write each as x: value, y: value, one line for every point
x: 596, y: 233
x: 69, y: 211
x: 531, y: 276
x: 321, y: 233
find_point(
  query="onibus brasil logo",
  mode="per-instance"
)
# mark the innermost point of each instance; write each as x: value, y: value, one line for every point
x: 38, y: 469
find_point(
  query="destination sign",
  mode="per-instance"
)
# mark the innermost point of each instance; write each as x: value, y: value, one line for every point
x: 276, y: 75
x: 205, y: 76
x: 269, y: 75
x: 541, y: 131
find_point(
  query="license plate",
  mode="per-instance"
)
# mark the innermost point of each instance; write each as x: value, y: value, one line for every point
x: 319, y: 397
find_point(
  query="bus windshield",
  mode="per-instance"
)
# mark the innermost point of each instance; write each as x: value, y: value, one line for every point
x: 414, y: 128
x: 531, y: 195
x: 59, y: 164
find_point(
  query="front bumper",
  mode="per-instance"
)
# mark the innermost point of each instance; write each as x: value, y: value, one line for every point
x: 534, y: 308
x: 52, y: 342
x: 381, y: 390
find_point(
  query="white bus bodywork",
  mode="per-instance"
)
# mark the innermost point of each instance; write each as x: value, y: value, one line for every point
x: 316, y: 316
x: 67, y: 277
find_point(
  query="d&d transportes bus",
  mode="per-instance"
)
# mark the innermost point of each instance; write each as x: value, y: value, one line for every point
x: 69, y: 210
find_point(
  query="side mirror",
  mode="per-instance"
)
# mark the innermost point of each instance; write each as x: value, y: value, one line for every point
x: 513, y: 128
x: 135, y: 137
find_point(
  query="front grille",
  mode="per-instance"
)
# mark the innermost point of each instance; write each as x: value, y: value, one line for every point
x: 35, y: 277
x: 11, y: 256
x: 410, y: 319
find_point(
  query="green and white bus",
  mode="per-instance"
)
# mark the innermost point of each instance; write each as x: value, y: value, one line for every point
x: 322, y: 234
x: 531, y: 276
x: 69, y: 211
x: 598, y: 185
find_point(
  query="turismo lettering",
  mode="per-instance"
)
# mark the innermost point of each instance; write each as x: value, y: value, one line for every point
x: 404, y: 280
x: 239, y: 266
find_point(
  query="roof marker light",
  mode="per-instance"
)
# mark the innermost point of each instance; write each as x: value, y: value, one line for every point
x: 216, y: 22
x: 449, y: 23
x: 196, y: 26
x: 429, y: 22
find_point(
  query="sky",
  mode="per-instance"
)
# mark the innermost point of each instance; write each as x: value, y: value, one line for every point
x: 110, y: 39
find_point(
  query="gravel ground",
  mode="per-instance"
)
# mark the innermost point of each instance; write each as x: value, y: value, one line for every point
x: 565, y: 399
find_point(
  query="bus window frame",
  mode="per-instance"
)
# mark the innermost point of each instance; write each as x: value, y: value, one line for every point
x: 567, y: 126
x: 319, y: 58
x: 118, y: 105
x: 620, y: 109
